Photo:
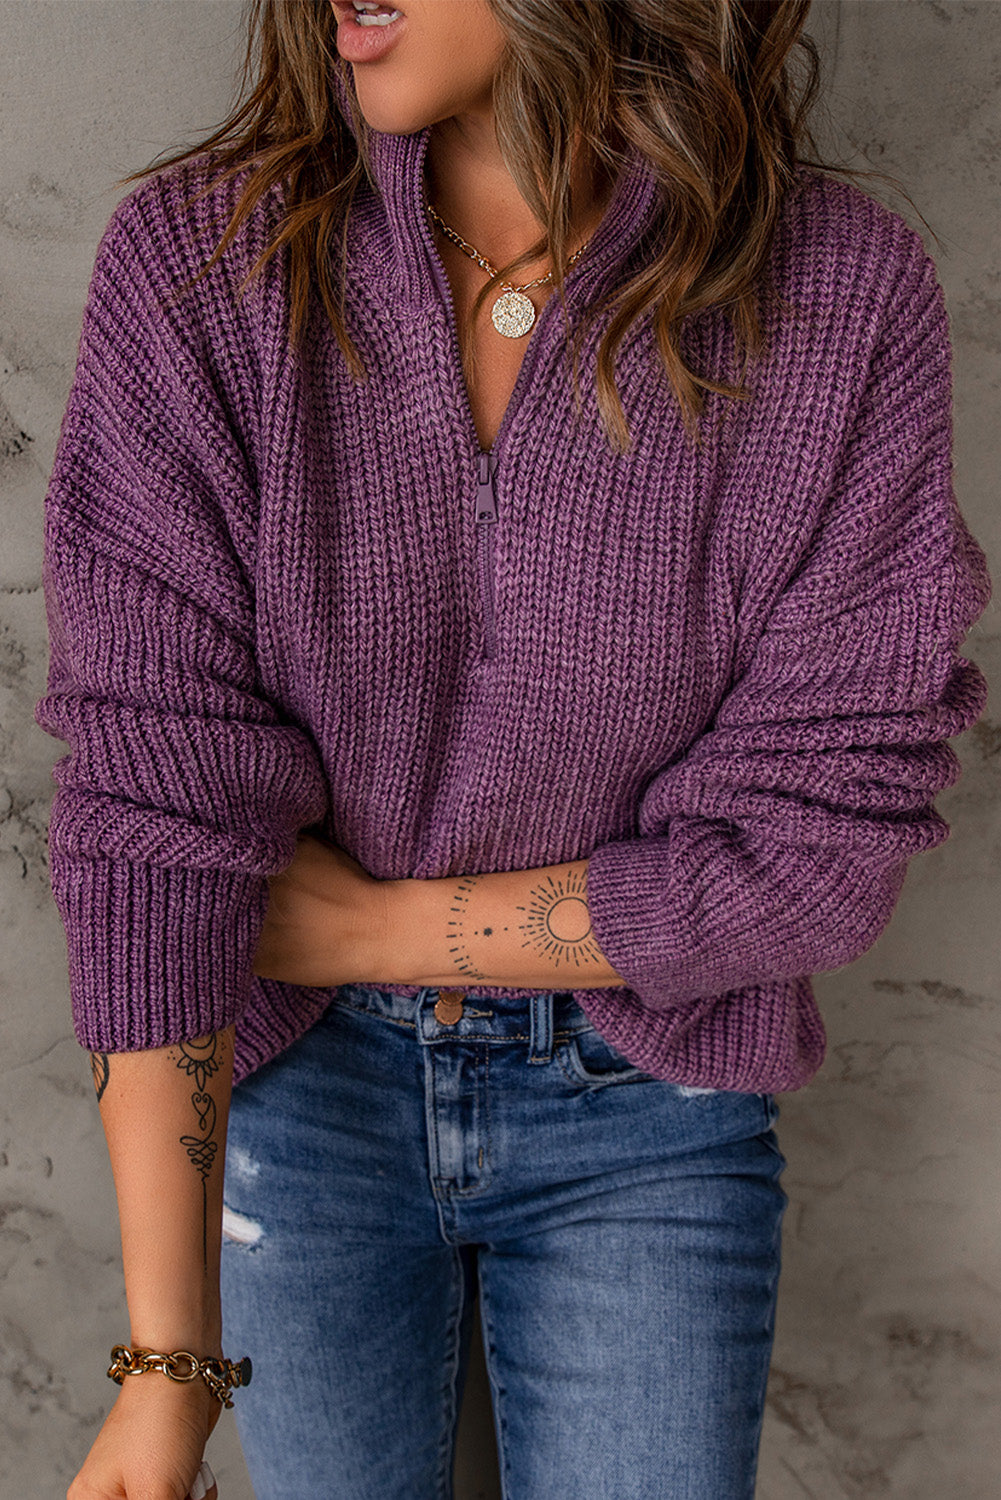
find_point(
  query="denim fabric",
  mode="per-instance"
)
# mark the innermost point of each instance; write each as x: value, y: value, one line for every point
x: 623, y: 1232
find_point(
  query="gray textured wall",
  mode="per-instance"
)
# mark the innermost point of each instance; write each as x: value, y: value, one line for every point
x: 885, y: 1379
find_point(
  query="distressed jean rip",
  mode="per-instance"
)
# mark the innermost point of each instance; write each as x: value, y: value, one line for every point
x: 240, y: 1230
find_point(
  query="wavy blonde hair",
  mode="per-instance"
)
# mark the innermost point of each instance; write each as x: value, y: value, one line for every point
x: 704, y: 89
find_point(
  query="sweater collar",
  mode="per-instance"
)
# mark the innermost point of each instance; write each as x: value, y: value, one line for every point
x: 397, y: 164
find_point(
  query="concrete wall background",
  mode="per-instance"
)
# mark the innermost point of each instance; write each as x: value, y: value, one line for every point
x: 885, y: 1377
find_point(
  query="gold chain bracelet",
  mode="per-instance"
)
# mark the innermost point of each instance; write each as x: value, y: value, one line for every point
x: 220, y: 1375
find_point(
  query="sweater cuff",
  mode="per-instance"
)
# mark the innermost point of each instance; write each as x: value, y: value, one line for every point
x: 681, y: 929
x: 627, y: 900
x: 157, y: 955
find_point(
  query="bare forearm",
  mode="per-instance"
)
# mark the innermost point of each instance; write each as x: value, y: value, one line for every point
x: 329, y: 922
x: 526, y: 928
x: 164, y: 1113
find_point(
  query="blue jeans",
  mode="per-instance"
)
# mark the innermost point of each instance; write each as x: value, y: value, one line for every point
x: 623, y: 1234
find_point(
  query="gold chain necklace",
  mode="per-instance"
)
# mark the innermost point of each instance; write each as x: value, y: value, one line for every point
x: 513, y: 314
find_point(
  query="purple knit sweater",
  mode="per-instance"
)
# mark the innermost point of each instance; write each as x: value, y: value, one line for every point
x: 724, y: 675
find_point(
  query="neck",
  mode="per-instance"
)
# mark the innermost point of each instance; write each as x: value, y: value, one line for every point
x: 470, y: 186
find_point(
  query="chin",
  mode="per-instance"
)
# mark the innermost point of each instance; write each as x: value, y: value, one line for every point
x: 385, y: 111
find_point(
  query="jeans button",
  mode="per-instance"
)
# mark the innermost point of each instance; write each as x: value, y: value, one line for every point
x: 448, y: 1006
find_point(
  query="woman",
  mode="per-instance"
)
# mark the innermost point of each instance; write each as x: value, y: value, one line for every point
x: 472, y: 754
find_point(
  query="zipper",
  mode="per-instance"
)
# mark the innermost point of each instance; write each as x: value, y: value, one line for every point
x: 486, y: 531
x: 485, y: 513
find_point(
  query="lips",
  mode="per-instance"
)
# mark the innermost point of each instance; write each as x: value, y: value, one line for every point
x: 364, y: 42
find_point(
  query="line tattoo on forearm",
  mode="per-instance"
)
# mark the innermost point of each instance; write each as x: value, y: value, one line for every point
x: 457, y: 943
x: 101, y: 1071
x: 557, y: 923
x: 201, y: 1060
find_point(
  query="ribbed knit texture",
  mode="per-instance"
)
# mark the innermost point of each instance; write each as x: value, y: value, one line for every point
x: 727, y: 676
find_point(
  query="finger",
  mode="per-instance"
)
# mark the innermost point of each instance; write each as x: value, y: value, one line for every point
x: 203, y: 1486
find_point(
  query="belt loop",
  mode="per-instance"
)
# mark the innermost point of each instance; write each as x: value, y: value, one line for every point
x: 540, y: 1039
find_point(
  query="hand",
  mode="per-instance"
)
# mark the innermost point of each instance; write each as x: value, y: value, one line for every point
x: 326, y: 921
x: 152, y: 1442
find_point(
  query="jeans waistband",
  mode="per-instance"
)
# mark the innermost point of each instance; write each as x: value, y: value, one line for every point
x: 540, y: 1019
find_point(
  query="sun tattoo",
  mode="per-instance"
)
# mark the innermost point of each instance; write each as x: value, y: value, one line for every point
x: 557, y: 921
x: 200, y: 1060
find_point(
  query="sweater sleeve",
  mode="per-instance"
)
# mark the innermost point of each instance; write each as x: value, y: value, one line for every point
x: 184, y: 787
x: 776, y: 846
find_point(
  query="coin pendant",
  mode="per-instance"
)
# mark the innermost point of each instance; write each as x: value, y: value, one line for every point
x: 513, y: 314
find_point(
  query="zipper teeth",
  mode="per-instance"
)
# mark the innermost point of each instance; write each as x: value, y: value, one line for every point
x: 485, y: 467
x: 485, y: 558
x: 486, y: 525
